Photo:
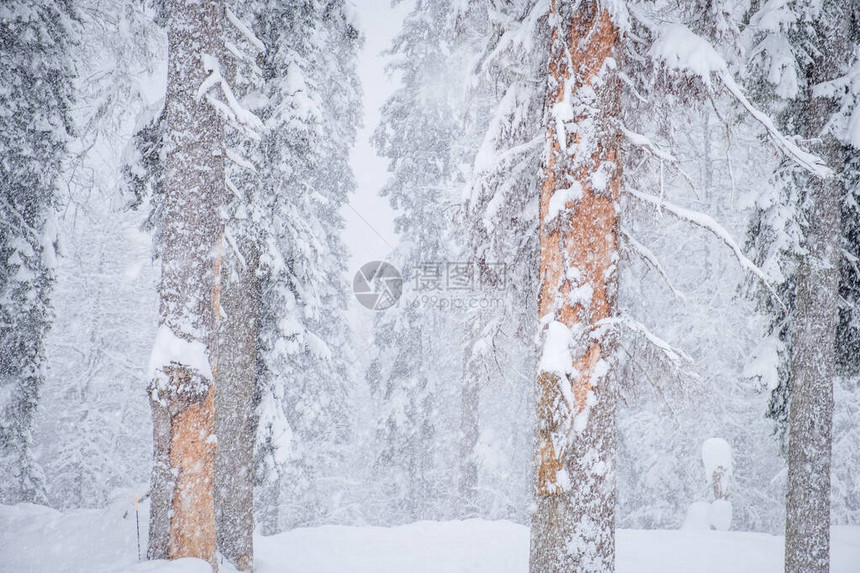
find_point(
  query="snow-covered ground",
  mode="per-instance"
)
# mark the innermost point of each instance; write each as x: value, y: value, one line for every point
x: 41, y: 540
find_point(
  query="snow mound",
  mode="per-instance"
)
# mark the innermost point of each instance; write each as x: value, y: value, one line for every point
x: 716, y: 453
x: 187, y: 565
x: 698, y: 516
x: 720, y: 514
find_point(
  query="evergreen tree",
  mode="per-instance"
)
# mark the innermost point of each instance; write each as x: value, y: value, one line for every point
x: 803, y: 66
x: 308, y: 101
x: 503, y: 133
x: 413, y: 374
x: 687, y: 143
x: 92, y: 431
x: 237, y: 384
x: 574, y: 524
x: 35, y: 95
x: 184, y: 356
x: 656, y: 41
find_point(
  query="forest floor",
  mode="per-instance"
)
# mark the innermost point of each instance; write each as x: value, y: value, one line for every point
x: 38, y: 539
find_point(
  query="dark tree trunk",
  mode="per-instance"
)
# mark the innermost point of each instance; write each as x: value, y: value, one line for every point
x: 467, y: 484
x: 235, y: 410
x: 810, y: 419
x: 182, y: 393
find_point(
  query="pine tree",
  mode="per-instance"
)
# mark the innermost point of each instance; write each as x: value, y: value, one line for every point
x: 237, y: 378
x: 91, y: 432
x: 658, y: 39
x: 236, y: 396
x: 574, y: 524
x: 804, y: 60
x: 309, y: 103
x: 184, y: 358
x: 35, y: 83
x: 410, y: 375
x: 697, y: 146
x: 500, y: 212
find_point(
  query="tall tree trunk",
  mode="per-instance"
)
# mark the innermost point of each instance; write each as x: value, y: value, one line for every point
x: 573, y: 526
x: 235, y: 410
x: 807, y: 526
x: 182, y: 523
x: 810, y: 419
x: 467, y: 484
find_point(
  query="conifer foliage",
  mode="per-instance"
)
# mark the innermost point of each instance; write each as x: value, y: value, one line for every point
x: 573, y: 527
x: 567, y: 179
x: 413, y: 369
x: 35, y: 96
x: 184, y: 357
x: 806, y: 65
x: 309, y: 103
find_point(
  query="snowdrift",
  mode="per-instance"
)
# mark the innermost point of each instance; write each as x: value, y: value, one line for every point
x: 35, y: 539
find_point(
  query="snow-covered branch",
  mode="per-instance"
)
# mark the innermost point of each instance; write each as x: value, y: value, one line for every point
x: 240, y: 161
x: 644, y: 142
x: 680, y: 49
x: 656, y: 151
x: 232, y: 110
x: 845, y: 91
x: 709, y: 223
x: 805, y: 159
x: 235, y: 248
x: 515, y: 36
x: 246, y: 31
x: 652, y: 261
x: 675, y: 355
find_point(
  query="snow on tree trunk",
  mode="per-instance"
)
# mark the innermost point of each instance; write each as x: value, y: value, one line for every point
x: 807, y: 526
x: 573, y: 526
x: 717, y: 459
x: 235, y: 411
x: 183, y: 359
x: 467, y: 485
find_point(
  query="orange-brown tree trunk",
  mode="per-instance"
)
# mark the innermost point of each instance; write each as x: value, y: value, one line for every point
x: 192, y: 453
x: 573, y: 525
x: 182, y: 520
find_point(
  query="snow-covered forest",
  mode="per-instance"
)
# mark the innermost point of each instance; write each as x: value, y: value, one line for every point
x: 430, y: 285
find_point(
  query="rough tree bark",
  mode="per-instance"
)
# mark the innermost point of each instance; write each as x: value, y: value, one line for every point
x: 573, y: 526
x: 467, y: 484
x: 182, y: 522
x: 235, y: 410
x: 807, y: 525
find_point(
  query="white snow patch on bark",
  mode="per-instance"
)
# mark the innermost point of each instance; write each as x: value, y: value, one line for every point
x: 556, y: 358
x: 560, y: 198
x: 170, y: 348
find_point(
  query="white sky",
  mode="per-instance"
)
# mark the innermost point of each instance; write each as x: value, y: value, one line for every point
x: 369, y: 232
